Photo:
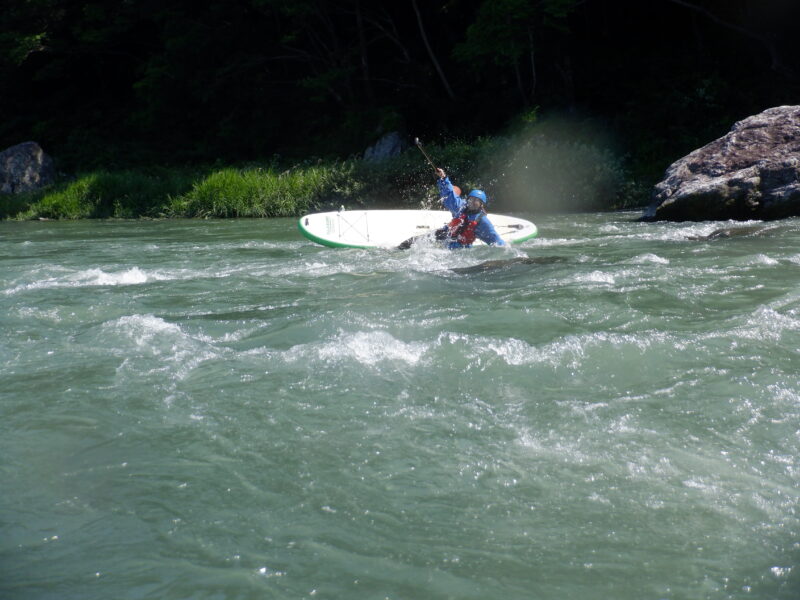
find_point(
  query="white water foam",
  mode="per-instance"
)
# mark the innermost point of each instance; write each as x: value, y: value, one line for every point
x: 91, y: 278
x: 570, y: 350
x: 652, y: 232
x: 557, y: 242
x: 144, y: 329
x: 177, y: 353
x: 242, y: 245
x: 554, y: 448
x: 761, y: 259
x: 314, y: 268
x: 766, y: 323
x: 364, y: 347
x: 136, y: 276
x: 649, y: 258
x: 595, y: 277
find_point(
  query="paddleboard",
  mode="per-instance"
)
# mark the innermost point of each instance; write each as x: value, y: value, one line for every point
x: 388, y: 228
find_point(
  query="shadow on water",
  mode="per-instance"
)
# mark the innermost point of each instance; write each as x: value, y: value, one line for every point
x: 729, y: 232
x: 496, y: 265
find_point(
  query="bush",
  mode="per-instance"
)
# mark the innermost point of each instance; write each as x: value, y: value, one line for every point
x: 121, y: 194
x: 257, y: 192
x: 538, y: 169
x: 12, y: 205
x: 527, y: 171
x: 408, y: 180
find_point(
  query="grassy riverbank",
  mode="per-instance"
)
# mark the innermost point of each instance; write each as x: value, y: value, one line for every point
x: 533, y: 172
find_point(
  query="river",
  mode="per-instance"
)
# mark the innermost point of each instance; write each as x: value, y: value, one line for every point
x: 225, y: 410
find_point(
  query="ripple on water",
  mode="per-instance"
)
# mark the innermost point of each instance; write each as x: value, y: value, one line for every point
x: 276, y: 419
x: 364, y: 347
x: 156, y: 351
x: 90, y: 278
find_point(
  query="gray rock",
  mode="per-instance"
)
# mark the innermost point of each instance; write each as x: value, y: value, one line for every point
x: 25, y: 167
x: 753, y: 172
x: 389, y: 145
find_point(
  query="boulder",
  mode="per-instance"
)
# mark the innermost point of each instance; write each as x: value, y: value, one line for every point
x: 25, y: 167
x: 389, y: 145
x: 753, y: 172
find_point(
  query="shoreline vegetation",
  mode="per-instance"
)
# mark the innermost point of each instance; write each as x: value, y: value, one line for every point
x: 529, y: 172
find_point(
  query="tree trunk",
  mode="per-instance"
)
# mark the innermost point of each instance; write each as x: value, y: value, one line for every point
x: 768, y: 43
x: 520, y: 85
x: 565, y: 68
x: 362, y: 46
x: 430, y: 52
x: 533, y: 64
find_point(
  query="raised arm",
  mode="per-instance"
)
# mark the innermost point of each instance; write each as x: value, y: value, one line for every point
x: 450, y: 200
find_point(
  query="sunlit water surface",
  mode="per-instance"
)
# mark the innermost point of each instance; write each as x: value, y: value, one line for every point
x: 222, y: 409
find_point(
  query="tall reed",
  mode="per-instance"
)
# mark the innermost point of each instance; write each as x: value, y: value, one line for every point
x: 103, y: 194
x: 259, y: 192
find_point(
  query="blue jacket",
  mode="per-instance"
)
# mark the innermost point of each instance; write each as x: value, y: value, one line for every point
x: 484, y: 231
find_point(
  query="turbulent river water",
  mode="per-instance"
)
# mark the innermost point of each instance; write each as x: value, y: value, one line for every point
x: 225, y: 410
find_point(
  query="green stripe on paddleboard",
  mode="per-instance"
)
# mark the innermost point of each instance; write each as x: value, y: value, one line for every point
x: 526, y: 238
x: 331, y: 244
x: 323, y: 241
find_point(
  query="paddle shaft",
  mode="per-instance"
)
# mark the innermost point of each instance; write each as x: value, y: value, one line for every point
x: 425, y: 154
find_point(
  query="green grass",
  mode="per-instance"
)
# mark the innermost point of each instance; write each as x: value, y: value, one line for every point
x: 104, y: 194
x: 533, y: 170
x: 257, y: 192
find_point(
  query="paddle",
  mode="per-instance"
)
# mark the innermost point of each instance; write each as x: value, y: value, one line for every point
x: 440, y: 234
x: 407, y: 243
x: 425, y: 154
x: 456, y: 189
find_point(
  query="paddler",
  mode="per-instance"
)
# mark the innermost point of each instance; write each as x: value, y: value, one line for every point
x: 469, y: 217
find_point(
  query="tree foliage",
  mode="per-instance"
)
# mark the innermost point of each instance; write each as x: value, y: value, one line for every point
x: 173, y: 81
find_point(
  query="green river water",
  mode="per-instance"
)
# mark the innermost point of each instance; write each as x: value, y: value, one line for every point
x: 225, y: 410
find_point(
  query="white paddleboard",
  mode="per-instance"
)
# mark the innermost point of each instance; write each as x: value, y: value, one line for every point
x: 388, y: 228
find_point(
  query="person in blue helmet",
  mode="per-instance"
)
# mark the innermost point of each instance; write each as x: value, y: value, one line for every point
x: 469, y: 217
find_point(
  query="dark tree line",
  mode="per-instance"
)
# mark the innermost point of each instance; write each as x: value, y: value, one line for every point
x: 136, y: 81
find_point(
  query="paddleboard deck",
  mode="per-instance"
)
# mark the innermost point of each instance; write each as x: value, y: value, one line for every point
x: 389, y: 228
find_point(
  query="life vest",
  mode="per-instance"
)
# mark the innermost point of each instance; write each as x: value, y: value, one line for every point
x: 462, y: 228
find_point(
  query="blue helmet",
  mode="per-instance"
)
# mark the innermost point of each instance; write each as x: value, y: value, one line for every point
x: 479, y: 195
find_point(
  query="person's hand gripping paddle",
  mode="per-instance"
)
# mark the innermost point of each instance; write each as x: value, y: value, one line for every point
x: 439, y: 174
